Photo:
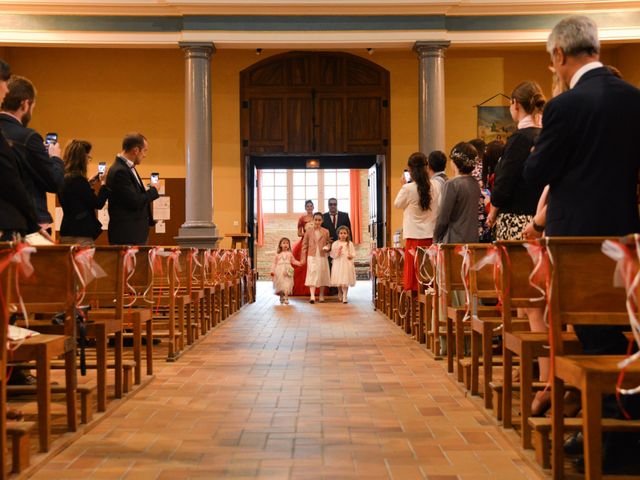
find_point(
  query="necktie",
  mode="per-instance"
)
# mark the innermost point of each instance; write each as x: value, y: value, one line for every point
x: 335, y: 223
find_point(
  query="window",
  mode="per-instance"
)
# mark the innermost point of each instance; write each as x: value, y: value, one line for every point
x: 274, y: 191
x: 305, y: 187
x: 337, y: 185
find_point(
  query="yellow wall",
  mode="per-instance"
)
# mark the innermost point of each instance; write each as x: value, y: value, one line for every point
x: 100, y: 94
x: 626, y: 59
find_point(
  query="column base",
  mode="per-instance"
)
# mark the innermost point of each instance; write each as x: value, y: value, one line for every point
x: 199, y: 237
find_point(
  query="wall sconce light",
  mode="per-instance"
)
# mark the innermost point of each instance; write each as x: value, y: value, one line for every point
x: 370, y: 51
x: 313, y: 163
x: 258, y: 51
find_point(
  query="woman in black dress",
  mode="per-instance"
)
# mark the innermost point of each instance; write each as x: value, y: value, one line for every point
x: 80, y: 224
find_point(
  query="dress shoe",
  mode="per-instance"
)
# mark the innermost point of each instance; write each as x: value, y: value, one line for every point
x: 541, y: 403
x: 573, y: 446
x: 20, y: 377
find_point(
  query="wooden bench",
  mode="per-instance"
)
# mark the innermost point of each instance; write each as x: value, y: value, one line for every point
x: 20, y: 433
x: 582, y: 293
x: 49, y: 290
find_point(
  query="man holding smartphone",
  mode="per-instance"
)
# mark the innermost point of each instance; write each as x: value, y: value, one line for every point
x: 43, y: 167
x: 130, y: 213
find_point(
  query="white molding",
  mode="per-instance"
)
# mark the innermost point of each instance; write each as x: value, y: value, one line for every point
x: 297, y: 40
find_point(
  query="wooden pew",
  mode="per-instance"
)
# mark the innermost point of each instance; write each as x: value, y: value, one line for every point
x: 50, y: 289
x: 449, y: 265
x: 582, y: 293
x: 17, y: 431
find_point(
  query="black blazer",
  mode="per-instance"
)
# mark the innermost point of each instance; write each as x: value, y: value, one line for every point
x: 588, y: 153
x: 17, y: 212
x: 343, y: 219
x: 129, y: 206
x: 511, y: 194
x: 42, y: 173
x: 79, y: 204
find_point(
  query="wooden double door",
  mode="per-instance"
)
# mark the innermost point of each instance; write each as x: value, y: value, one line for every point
x: 317, y: 104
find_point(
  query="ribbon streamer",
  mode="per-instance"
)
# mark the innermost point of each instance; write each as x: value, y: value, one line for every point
x: 130, y: 263
x: 464, y: 274
x: 626, y: 275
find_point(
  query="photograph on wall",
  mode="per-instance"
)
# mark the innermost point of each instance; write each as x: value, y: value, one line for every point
x: 495, y: 123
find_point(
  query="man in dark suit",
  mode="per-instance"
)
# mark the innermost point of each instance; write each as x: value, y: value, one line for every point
x: 334, y: 219
x: 130, y: 213
x: 17, y: 213
x: 42, y: 166
x: 587, y: 153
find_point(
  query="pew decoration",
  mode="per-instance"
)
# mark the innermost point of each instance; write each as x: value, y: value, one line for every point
x: 20, y: 256
x: 626, y: 275
x: 86, y: 270
x: 130, y: 263
x: 463, y: 251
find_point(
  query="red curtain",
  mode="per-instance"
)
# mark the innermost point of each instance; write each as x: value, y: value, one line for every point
x: 356, y: 209
x: 259, y: 212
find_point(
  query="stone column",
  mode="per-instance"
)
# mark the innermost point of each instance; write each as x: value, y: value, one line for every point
x: 198, y: 229
x: 431, y: 94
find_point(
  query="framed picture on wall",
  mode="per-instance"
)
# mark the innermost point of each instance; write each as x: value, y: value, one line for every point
x: 495, y: 123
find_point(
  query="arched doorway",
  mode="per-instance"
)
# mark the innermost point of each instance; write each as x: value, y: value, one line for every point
x: 330, y: 106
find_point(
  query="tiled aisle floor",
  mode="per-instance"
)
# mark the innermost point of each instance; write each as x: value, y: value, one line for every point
x: 299, y: 391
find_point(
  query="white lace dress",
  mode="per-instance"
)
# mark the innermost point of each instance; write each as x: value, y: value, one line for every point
x: 343, y: 271
x: 283, y: 273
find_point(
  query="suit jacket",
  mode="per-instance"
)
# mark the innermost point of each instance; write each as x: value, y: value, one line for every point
x: 129, y: 206
x: 17, y: 212
x: 42, y: 173
x: 310, y: 244
x: 343, y: 219
x: 79, y: 204
x: 588, y: 153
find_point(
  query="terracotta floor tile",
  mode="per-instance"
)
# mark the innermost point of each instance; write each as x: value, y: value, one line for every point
x: 325, y: 391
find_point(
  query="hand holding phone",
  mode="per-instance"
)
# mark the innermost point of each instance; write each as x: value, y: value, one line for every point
x: 51, y: 138
x: 102, y: 167
x: 155, y: 178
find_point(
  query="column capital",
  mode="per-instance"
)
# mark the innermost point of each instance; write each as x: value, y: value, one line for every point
x: 432, y: 48
x: 198, y: 49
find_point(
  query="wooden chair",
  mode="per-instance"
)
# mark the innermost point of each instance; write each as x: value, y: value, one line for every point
x: 457, y: 317
x: 426, y: 280
x: 582, y: 293
x: 49, y: 290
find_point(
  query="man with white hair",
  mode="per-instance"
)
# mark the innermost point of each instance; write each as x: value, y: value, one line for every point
x: 588, y: 154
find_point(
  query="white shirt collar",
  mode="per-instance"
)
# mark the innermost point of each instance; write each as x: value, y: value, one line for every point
x: 128, y: 162
x: 581, y: 71
x: 527, y: 122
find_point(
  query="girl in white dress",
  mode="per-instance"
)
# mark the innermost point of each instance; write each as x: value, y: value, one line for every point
x: 343, y: 271
x: 315, y: 246
x: 282, y: 271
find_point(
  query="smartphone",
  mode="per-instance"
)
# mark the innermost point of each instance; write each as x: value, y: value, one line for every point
x: 407, y: 176
x: 51, y: 138
x: 102, y: 167
x: 155, y: 177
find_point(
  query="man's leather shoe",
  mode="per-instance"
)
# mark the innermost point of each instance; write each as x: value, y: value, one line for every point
x: 19, y: 377
x: 573, y: 446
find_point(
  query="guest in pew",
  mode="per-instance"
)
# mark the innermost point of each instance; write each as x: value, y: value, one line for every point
x: 80, y: 224
x: 588, y: 145
x: 513, y: 201
x: 457, y: 218
x: 17, y: 212
x: 129, y: 201
x: 40, y: 161
x: 492, y: 155
x: 436, y: 164
x: 485, y: 232
x: 419, y: 200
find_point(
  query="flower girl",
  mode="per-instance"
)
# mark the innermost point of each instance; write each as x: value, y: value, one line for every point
x: 282, y: 271
x: 315, y: 246
x: 343, y: 271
